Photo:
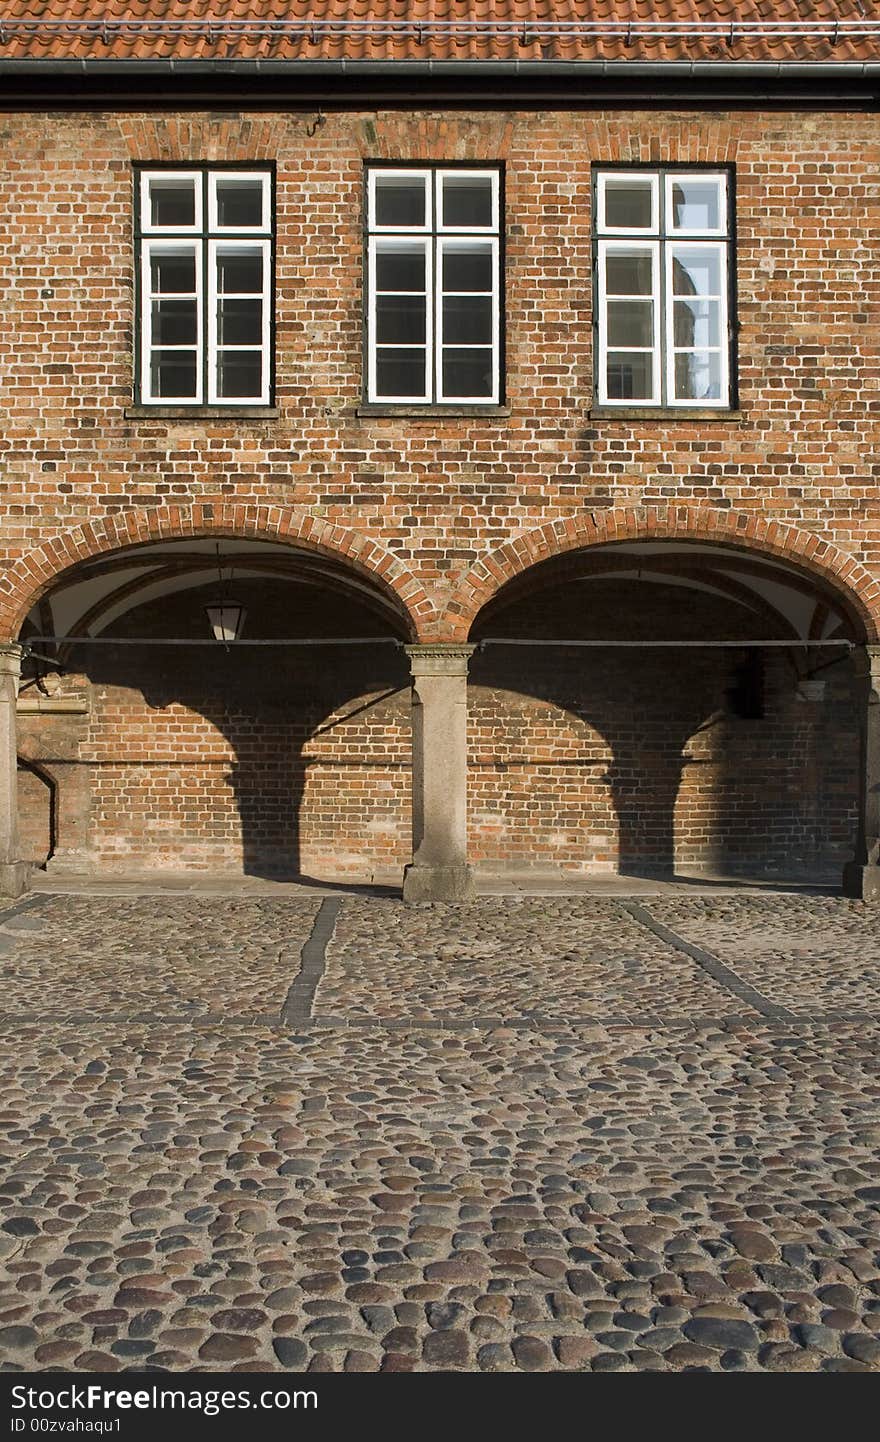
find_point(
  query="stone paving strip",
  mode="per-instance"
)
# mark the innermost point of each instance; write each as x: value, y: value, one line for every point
x: 495, y: 1202
x: 297, y: 1009
x: 724, y: 975
x: 523, y: 961
x: 813, y: 955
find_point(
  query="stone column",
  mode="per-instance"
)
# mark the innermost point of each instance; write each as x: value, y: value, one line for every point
x: 439, y: 870
x: 861, y: 876
x: 13, y: 871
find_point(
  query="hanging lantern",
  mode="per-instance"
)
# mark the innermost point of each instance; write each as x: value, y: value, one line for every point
x: 226, y: 620
x: 225, y: 617
x: 811, y: 688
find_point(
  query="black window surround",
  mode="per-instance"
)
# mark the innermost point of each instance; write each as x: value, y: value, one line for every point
x: 205, y: 284
x: 433, y: 289
x: 664, y: 289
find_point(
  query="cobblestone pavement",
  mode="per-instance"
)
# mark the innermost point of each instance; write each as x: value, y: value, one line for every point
x: 665, y: 1159
x: 545, y: 958
x: 811, y: 953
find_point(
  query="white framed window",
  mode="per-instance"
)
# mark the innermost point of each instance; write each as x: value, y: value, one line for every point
x: 663, y: 288
x: 433, y: 303
x: 205, y: 267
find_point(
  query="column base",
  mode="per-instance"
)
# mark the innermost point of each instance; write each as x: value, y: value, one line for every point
x: 14, y: 878
x: 438, y: 883
x: 71, y: 863
x: 862, y: 882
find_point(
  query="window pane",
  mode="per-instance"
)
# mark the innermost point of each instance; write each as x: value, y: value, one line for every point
x: 400, y: 200
x: 696, y: 272
x: 696, y: 204
x: 400, y: 319
x: 630, y: 377
x: 697, y: 322
x: 174, y: 322
x: 467, y: 269
x: 173, y: 272
x: 467, y: 320
x: 172, y: 202
x: 698, y: 377
x: 173, y: 375
x: 400, y: 372
x: 239, y: 202
x: 239, y: 271
x: 239, y: 373
x: 467, y: 373
x: 240, y: 322
x: 400, y: 269
x: 628, y: 274
x: 630, y: 322
x: 467, y: 201
x: 628, y: 204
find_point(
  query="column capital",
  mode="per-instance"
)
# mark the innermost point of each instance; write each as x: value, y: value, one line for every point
x: 866, y: 660
x: 439, y: 659
x: 10, y: 658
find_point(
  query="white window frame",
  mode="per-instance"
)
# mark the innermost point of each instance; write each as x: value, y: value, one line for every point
x: 719, y: 177
x: 436, y: 238
x: 378, y: 242
x: 665, y: 237
x: 494, y: 178
x: 456, y: 240
x: 264, y: 248
x: 147, y: 177
x: 723, y: 348
x: 400, y: 173
x: 204, y: 236
x: 653, y: 177
x: 260, y: 176
x: 152, y: 245
x: 621, y: 246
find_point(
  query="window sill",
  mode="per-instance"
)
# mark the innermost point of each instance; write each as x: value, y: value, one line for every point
x: 424, y: 413
x: 663, y: 413
x: 201, y: 413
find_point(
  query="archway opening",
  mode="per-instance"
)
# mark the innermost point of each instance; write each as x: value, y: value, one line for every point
x: 665, y: 708
x: 168, y: 751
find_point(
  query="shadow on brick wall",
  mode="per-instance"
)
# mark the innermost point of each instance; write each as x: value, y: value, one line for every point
x: 277, y: 761
x: 648, y: 761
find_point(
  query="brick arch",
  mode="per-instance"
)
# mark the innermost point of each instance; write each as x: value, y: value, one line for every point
x: 28, y: 578
x: 807, y: 552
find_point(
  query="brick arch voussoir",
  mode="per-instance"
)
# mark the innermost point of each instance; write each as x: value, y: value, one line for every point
x: 33, y: 574
x: 832, y: 567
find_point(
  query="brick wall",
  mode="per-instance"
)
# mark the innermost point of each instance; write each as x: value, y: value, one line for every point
x: 598, y: 760
x: 429, y: 504
x: 439, y: 494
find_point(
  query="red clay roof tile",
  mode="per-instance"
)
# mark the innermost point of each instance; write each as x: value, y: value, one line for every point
x: 706, y: 30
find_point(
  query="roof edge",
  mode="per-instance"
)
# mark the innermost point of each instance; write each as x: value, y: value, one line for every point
x: 524, y: 69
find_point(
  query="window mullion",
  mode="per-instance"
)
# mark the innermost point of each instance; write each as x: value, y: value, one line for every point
x: 371, y: 317
x: 724, y: 319
x: 664, y: 330
x: 206, y: 309
x: 146, y: 321
x: 209, y: 330
x: 434, y: 318
x: 668, y: 351
x: 265, y: 366
x: 496, y: 319
x: 434, y: 299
